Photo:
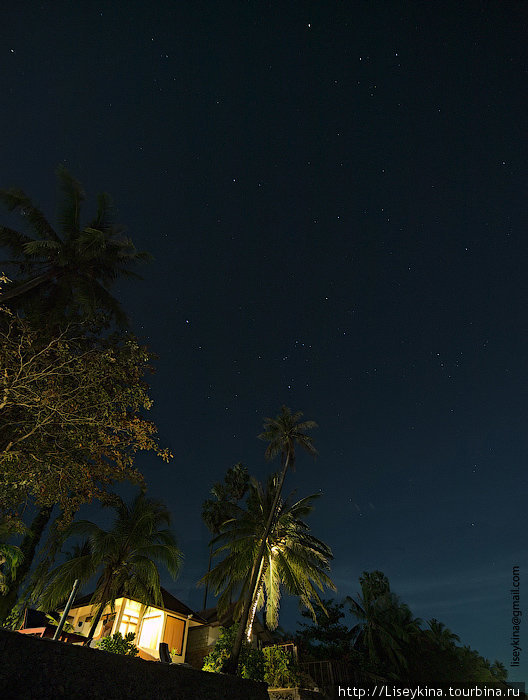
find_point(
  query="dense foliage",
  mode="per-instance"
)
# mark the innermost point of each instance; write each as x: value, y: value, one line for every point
x: 65, y: 271
x: 117, y: 644
x: 280, y: 669
x: 220, y: 508
x: 126, y: 558
x: 10, y: 555
x: 71, y: 407
x: 251, y: 662
x: 274, y: 665
x: 388, y: 643
x: 294, y: 560
x: 326, y: 637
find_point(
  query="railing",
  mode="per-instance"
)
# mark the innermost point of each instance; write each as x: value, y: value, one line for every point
x: 329, y: 674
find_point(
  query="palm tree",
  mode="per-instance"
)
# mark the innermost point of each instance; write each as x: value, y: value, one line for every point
x: 385, y: 624
x: 125, y: 558
x: 499, y: 671
x: 11, y: 556
x: 216, y: 510
x: 66, y: 273
x: 283, y: 434
x: 28, y: 547
x: 293, y: 559
x: 440, y: 634
x: 69, y: 270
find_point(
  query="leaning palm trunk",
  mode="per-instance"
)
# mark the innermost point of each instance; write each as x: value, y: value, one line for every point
x: 231, y: 663
x: 28, y: 285
x: 208, y: 570
x: 105, y: 596
x: 94, y: 624
x: 256, y: 598
x: 29, y: 547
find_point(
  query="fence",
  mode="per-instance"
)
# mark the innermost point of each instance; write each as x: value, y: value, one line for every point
x: 327, y: 674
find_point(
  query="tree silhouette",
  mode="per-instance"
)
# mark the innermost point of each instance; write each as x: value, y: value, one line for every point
x: 283, y: 434
x: 68, y: 269
x: 293, y: 558
x: 125, y: 558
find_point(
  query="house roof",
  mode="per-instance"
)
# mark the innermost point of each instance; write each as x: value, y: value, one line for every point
x: 170, y: 603
x: 210, y: 615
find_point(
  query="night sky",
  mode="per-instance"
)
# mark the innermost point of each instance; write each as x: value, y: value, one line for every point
x: 335, y: 197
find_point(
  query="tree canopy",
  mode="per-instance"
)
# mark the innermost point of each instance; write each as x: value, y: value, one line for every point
x: 293, y: 558
x: 71, y: 409
x: 283, y: 433
x: 125, y: 557
x: 66, y: 269
x: 389, y: 644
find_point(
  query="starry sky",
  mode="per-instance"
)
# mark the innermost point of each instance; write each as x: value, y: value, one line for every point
x: 334, y: 195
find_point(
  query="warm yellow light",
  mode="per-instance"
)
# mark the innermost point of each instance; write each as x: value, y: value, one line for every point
x: 150, y: 632
x: 132, y: 608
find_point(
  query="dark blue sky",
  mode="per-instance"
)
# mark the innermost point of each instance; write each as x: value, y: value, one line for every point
x: 334, y: 194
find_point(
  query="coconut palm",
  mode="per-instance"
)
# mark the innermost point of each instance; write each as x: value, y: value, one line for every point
x: 71, y: 268
x: 283, y: 433
x: 385, y: 624
x: 66, y: 272
x: 441, y: 634
x: 28, y: 547
x: 499, y: 670
x: 293, y: 558
x: 125, y: 558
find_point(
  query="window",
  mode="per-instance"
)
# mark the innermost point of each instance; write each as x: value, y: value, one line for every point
x: 107, y: 622
x: 173, y: 635
x: 150, y: 632
x: 128, y: 624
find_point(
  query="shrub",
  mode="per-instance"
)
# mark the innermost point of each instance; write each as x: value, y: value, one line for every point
x: 280, y: 670
x: 251, y: 662
x: 117, y: 644
x: 274, y: 665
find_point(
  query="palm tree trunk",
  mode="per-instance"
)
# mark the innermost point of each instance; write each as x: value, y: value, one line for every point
x: 37, y: 580
x: 26, y: 286
x: 253, y: 609
x: 208, y: 570
x: 99, y: 614
x: 29, y: 547
x: 94, y: 625
x: 231, y: 663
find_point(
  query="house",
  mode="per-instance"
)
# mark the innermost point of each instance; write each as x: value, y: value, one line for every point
x: 170, y: 623
x: 190, y: 636
x: 202, y: 638
x: 38, y: 624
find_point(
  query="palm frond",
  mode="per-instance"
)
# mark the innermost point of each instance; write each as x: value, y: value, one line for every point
x: 17, y: 289
x: 294, y: 559
x: 126, y: 556
x: 61, y: 580
x: 14, y: 240
x: 69, y: 210
x: 42, y: 249
x: 17, y: 200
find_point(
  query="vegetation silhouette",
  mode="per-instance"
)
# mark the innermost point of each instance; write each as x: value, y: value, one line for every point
x: 283, y: 433
x: 67, y: 269
x: 126, y: 558
x: 293, y: 558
